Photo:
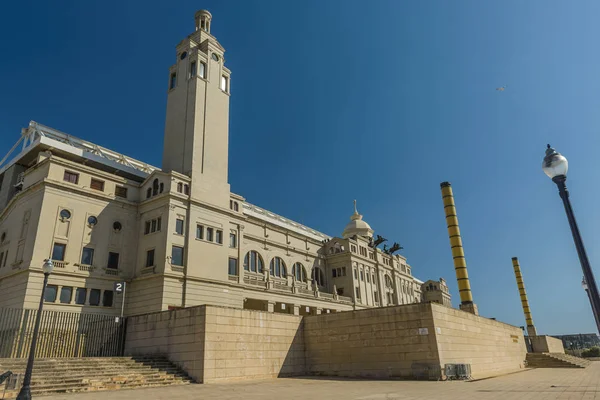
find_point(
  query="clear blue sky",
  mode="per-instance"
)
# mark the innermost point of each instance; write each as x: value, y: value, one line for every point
x: 376, y: 101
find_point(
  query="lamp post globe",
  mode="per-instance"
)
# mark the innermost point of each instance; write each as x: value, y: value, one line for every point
x: 555, y: 165
x: 48, y: 267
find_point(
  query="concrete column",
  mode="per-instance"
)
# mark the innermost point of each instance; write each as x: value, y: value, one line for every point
x: 524, y: 302
x: 458, y: 254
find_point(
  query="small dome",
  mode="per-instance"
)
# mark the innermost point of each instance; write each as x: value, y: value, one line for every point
x: 357, y: 226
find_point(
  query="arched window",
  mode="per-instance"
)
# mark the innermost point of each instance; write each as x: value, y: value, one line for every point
x: 149, y: 193
x: 277, y: 268
x: 155, y: 187
x: 299, y: 272
x: 388, y: 282
x: 319, y: 276
x: 253, y: 262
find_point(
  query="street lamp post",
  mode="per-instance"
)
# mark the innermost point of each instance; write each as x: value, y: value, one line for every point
x: 25, y: 393
x: 587, y: 291
x: 555, y: 166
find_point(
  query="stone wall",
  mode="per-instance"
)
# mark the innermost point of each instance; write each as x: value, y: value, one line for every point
x: 491, y: 347
x: 243, y: 344
x: 546, y: 344
x: 377, y: 343
x: 178, y: 335
x: 216, y: 343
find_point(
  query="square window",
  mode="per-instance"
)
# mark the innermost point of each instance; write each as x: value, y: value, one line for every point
x: 107, y: 298
x: 87, y: 256
x: 177, y: 256
x: 219, y: 237
x: 209, y: 234
x: 80, y: 295
x: 150, y: 258
x: 193, y: 67
x: 65, y: 294
x: 173, y: 81
x: 232, y: 240
x: 199, y: 232
x: 71, y: 177
x: 58, y: 252
x: 95, y: 297
x: 50, y: 293
x: 179, y: 226
x: 113, y: 260
x: 121, y: 191
x: 202, y: 70
x: 233, y: 266
x: 97, y: 184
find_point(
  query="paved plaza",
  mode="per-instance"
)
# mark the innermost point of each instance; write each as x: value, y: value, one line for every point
x: 546, y: 384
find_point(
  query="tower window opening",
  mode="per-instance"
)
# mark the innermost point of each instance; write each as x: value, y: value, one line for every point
x: 173, y: 81
x: 224, y: 84
x: 193, y: 67
x: 202, y: 70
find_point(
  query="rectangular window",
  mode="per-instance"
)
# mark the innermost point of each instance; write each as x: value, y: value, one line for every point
x: 97, y: 184
x: 177, y: 256
x: 158, y: 223
x: 232, y: 240
x: 80, y: 295
x: 5, y: 258
x: 147, y: 228
x: 333, y: 273
x: 202, y: 70
x: 94, y: 297
x: 358, y: 293
x: 87, y: 256
x: 113, y: 260
x: 219, y: 237
x: 65, y: 294
x: 173, y: 81
x: 179, y: 226
x: 209, y: 234
x: 373, y: 278
x: 199, y: 232
x: 1, y: 257
x: 71, y: 177
x: 58, y: 252
x: 50, y: 293
x: 368, y: 278
x: 150, y: 258
x: 224, y: 83
x: 344, y: 271
x: 233, y: 266
x: 193, y: 69
x: 107, y: 298
x: 121, y: 191
x: 153, y: 229
x: 355, y: 276
x: 362, y: 276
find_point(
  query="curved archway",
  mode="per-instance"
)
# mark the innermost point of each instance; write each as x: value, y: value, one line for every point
x: 277, y: 268
x: 299, y: 272
x: 253, y: 262
x: 155, y: 187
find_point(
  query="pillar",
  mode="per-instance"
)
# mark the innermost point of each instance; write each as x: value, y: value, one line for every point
x: 524, y: 302
x: 458, y: 254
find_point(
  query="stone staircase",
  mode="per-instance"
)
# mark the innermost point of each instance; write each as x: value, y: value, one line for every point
x: 69, y: 375
x: 555, y: 360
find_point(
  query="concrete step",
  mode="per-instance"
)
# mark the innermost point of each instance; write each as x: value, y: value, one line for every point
x: 554, y: 360
x: 94, y: 374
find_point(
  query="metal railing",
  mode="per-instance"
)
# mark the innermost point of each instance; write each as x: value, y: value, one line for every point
x: 61, y: 334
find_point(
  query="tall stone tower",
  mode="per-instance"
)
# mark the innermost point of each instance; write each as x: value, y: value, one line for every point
x: 197, y: 123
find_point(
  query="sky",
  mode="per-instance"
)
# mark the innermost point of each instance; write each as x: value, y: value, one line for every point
x: 376, y: 101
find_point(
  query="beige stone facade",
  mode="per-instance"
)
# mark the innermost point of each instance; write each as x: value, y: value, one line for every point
x: 437, y: 292
x: 176, y: 236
